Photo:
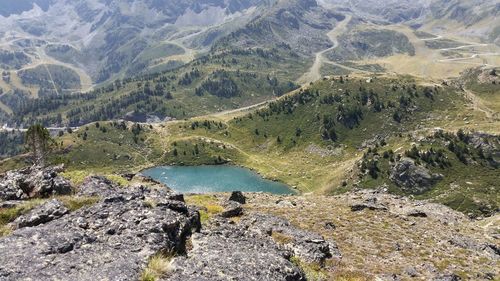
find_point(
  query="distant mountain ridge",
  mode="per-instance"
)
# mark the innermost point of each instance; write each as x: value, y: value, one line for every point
x: 106, y: 38
x: 188, y: 49
x: 12, y: 7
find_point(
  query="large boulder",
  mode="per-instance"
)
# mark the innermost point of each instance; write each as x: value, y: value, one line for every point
x: 231, y: 209
x: 44, y: 213
x: 238, y: 196
x: 226, y: 251
x: 413, y: 178
x: 111, y: 240
x: 33, y: 182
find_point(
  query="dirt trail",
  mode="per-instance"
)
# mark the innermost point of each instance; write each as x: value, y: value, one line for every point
x: 241, y: 109
x: 464, y: 46
x: 314, y: 72
x: 432, y: 39
x: 51, y: 79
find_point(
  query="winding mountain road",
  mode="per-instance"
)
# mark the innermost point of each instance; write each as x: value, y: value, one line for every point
x: 314, y: 72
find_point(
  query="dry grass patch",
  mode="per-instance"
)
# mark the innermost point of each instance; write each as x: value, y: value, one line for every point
x: 5, y: 230
x: 76, y: 203
x: 10, y: 214
x: 78, y: 176
x: 208, y: 204
x: 281, y: 238
x: 158, y: 266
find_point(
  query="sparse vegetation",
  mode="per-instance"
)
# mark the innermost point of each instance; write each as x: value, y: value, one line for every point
x: 158, y: 266
x: 9, y: 215
x: 469, y: 172
x: 75, y: 203
x: 208, y: 203
x: 313, y: 271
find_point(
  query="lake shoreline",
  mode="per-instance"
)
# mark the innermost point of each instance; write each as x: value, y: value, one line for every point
x: 215, y: 178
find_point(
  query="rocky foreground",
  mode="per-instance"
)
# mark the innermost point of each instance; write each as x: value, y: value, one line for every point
x: 115, y: 238
x: 147, y: 232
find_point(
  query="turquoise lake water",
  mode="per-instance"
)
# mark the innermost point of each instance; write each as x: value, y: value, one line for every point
x: 205, y: 179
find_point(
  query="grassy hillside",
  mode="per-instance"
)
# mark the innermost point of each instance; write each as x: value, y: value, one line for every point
x: 184, y: 92
x: 328, y: 137
x: 468, y: 166
x: 315, y: 139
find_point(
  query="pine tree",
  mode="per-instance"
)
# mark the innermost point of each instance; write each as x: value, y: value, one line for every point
x: 39, y: 142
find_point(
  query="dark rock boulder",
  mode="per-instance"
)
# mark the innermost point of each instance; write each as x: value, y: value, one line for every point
x: 111, y: 240
x: 238, y: 196
x: 226, y: 251
x: 33, y: 183
x: 44, y: 213
x: 416, y: 213
x: 330, y: 226
x: 448, y: 277
x: 413, y: 178
x: 128, y: 176
x: 231, y: 209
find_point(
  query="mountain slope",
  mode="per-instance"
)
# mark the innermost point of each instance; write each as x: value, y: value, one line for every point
x: 339, y: 133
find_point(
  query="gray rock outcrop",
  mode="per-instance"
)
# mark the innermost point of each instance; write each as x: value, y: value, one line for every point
x: 33, y: 183
x: 226, y: 251
x: 231, y: 209
x: 97, y: 186
x: 306, y: 245
x: 115, y: 238
x: 111, y: 240
x: 413, y: 178
x: 44, y: 213
x: 251, y: 250
x: 489, y: 144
